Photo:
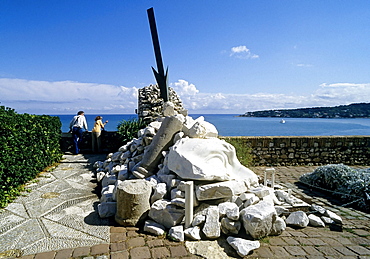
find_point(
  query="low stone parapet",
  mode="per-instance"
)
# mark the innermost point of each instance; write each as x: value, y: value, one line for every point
x: 309, y: 150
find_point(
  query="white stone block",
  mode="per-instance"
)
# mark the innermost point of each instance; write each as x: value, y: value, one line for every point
x: 219, y: 190
x: 297, y: 219
x: 242, y: 246
x: 315, y: 221
x: 177, y: 233
x: 258, y: 219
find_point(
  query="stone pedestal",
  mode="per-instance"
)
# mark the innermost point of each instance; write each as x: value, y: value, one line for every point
x: 133, y: 205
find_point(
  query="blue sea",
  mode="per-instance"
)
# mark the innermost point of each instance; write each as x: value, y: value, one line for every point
x: 230, y: 125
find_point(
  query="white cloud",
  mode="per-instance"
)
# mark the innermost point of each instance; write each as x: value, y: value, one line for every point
x: 183, y: 87
x: 67, y: 97
x: 242, y: 52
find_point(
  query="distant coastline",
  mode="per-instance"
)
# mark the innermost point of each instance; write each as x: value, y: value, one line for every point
x: 355, y: 110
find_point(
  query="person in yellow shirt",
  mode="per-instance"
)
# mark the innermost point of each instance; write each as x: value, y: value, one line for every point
x: 96, y: 134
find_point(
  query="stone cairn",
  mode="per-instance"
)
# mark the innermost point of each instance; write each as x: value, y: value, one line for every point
x: 178, y: 177
x: 151, y: 104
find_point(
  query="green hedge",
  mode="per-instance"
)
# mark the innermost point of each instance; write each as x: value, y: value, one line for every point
x: 28, y: 144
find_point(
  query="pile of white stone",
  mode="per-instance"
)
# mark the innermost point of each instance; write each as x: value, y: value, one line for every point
x: 178, y: 178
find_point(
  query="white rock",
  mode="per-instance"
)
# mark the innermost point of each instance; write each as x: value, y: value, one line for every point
x: 315, y: 221
x: 203, y: 129
x: 229, y: 209
x: 327, y: 220
x: 153, y: 227
x: 198, y: 219
x: 107, y: 209
x: 169, y: 109
x: 297, y: 219
x: 318, y: 209
x: 251, y: 201
x: 193, y: 233
x: 278, y: 227
x: 160, y: 191
x: 260, y: 192
x: 166, y: 214
x: 258, y: 219
x: 246, y: 196
x: 281, y: 210
x: 229, y: 226
x: 177, y: 233
x: 211, y: 227
x: 333, y: 216
x: 243, y: 247
x: 219, y: 190
x: 208, y: 160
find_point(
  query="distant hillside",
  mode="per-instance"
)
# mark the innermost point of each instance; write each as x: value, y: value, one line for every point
x: 355, y: 110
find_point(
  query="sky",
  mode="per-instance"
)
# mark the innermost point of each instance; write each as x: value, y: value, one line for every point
x: 229, y: 57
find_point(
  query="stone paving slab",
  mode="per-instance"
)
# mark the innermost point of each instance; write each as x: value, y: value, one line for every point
x: 58, y: 219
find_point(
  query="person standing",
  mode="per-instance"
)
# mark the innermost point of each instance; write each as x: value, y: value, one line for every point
x: 77, y: 126
x: 96, y: 134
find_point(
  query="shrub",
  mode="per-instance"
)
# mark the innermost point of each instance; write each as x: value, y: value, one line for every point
x: 28, y: 144
x: 128, y: 129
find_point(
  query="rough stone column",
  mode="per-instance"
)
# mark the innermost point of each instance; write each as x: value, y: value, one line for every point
x: 133, y: 204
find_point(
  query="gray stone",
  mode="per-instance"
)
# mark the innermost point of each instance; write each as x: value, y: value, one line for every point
x: 230, y: 227
x: 193, y: 233
x: 180, y: 202
x: 242, y: 246
x: 315, y: 221
x: 258, y: 219
x: 107, y: 209
x: 198, y: 219
x: 211, y: 227
x: 166, y: 214
x: 297, y: 219
x: 177, y: 233
x: 154, y: 228
x: 251, y: 201
x: 327, y: 220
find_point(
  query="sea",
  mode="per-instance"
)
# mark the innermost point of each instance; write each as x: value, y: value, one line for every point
x: 232, y: 125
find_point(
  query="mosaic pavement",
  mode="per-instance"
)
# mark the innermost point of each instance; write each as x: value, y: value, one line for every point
x: 59, y: 213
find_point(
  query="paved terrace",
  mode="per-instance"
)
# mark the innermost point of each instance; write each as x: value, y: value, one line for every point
x: 58, y: 219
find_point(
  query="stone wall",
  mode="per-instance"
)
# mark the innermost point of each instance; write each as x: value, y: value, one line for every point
x: 110, y: 142
x: 321, y: 150
x: 271, y: 151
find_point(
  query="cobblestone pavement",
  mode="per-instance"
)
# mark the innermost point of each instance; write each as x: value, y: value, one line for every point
x: 58, y: 219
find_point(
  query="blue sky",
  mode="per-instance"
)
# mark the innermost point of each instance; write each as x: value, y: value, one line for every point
x: 58, y: 57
